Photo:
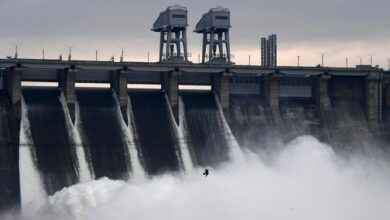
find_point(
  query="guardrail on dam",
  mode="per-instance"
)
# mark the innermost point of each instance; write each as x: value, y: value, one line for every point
x: 261, y: 97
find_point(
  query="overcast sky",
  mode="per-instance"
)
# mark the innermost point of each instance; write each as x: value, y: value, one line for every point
x: 337, y: 28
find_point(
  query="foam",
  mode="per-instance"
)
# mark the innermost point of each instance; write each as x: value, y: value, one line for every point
x: 305, y: 180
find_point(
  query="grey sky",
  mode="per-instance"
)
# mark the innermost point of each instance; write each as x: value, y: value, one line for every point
x: 338, y: 28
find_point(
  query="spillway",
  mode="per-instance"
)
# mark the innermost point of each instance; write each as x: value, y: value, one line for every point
x: 31, y: 185
x: 186, y: 159
x: 251, y: 121
x: 55, y: 155
x: 138, y: 171
x: 204, y: 128
x: 83, y: 170
x: 349, y: 116
x: 300, y: 117
x: 155, y: 134
x: 101, y: 133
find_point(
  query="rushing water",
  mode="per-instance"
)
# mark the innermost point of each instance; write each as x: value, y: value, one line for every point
x: 155, y: 132
x: 262, y: 177
x: 205, y: 130
x: 184, y: 153
x: 102, y: 135
x: 304, y: 180
x: 54, y: 154
x: 31, y: 187
x: 83, y: 171
x: 138, y: 172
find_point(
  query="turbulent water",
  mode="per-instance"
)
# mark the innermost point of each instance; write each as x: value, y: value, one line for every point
x: 305, y: 180
x: 102, y: 134
x: 204, y: 128
x: 152, y: 167
x: 155, y: 136
x: 54, y: 155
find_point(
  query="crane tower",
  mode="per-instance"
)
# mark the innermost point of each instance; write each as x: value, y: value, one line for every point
x: 172, y: 25
x: 215, y: 25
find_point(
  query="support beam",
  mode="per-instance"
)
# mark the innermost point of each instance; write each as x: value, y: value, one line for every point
x: 119, y: 85
x: 220, y: 86
x: 323, y: 101
x: 10, y: 108
x: 386, y: 94
x: 13, y: 84
x: 271, y: 95
x: 372, y: 100
x: 322, y: 96
x: 170, y: 84
x: 66, y: 82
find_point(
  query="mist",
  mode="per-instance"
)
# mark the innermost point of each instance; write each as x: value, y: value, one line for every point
x: 306, y: 179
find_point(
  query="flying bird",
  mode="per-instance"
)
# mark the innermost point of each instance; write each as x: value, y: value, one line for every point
x: 206, y: 172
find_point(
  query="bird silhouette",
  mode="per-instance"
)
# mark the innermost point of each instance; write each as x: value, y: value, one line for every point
x: 206, y: 172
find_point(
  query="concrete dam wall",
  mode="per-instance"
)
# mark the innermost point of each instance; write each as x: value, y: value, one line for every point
x: 52, y: 138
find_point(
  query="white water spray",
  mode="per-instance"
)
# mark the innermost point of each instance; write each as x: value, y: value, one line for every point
x: 235, y: 149
x: 84, y: 172
x: 180, y: 135
x: 306, y: 180
x: 31, y: 186
x: 138, y: 172
x: 87, y: 156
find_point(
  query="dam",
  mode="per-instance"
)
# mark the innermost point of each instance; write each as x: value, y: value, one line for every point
x: 149, y: 119
x: 258, y: 104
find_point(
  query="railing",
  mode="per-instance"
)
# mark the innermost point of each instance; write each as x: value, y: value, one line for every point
x: 176, y: 55
x: 220, y: 56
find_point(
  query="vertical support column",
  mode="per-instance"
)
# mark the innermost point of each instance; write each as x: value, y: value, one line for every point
x: 220, y: 86
x: 67, y: 83
x: 204, y: 47
x: 322, y: 99
x: 372, y: 104
x: 119, y: 85
x: 168, y: 44
x: 386, y: 94
x: 170, y: 84
x: 185, y: 45
x: 211, y: 45
x: 271, y: 95
x: 162, y: 41
x: 227, y: 39
x: 13, y: 84
x: 177, y: 41
x: 220, y: 45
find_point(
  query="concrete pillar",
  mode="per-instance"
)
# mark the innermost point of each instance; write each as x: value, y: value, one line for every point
x: 119, y: 85
x: 372, y: 100
x: 386, y: 94
x: 67, y: 83
x: 271, y: 95
x: 323, y: 101
x: 13, y: 84
x: 322, y: 95
x: 170, y: 84
x: 220, y: 86
x: 11, y: 108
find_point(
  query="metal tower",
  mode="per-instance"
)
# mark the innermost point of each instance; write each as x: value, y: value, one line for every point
x: 215, y: 25
x: 172, y: 25
x: 269, y: 51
